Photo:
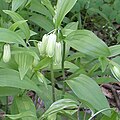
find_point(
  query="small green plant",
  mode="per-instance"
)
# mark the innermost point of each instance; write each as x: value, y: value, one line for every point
x: 50, y: 65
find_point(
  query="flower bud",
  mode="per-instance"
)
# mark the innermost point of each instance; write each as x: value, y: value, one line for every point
x: 42, y: 45
x: 6, y: 53
x: 50, y: 49
x: 58, y: 53
x: 41, y: 78
x: 115, y: 69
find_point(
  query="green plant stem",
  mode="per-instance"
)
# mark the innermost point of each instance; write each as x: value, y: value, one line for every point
x: 84, y: 19
x: 63, y: 70
x: 78, y: 113
x: 80, y: 21
x: 84, y: 118
x: 36, y: 100
x: 6, y: 107
x: 53, y: 82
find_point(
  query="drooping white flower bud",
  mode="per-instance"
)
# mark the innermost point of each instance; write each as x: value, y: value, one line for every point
x: 50, y: 49
x: 58, y: 53
x: 6, y: 53
x: 42, y: 45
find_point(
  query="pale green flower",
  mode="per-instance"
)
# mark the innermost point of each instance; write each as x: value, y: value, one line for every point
x: 116, y: 72
x: 58, y: 53
x: 6, y: 53
x: 42, y: 45
x: 50, y: 49
x: 115, y: 69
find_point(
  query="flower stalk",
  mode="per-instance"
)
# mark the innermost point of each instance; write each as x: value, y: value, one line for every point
x: 52, y: 82
x: 63, y: 70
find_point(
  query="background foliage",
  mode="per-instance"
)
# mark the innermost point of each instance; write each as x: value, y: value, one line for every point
x: 32, y: 86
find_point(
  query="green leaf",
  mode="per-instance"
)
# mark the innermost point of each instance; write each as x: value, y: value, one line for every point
x: 16, y: 17
x: 8, y: 91
x: 63, y: 7
x: 43, y: 63
x: 23, y: 115
x: 11, y: 78
x: 94, y: 68
x: 114, y: 116
x: 24, y: 62
x: 58, y: 106
x: 17, y: 3
x: 48, y: 4
x: 116, y: 5
x: 93, y: 10
x: 24, y: 104
x: 38, y: 7
x: 104, y: 80
x: 16, y: 24
x: 29, y: 50
x: 8, y: 36
x: 106, y: 9
x: 70, y: 27
x: 52, y: 117
x: 114, y: 50
x: 88, y: 43
x: 68, y: 65
x: 94, y: 115
x: 42, y: 21
x: 11, y: 64
x: 22, y: 35
x: 3, y: 6
x: 88, y: 92
x: 104, y: 63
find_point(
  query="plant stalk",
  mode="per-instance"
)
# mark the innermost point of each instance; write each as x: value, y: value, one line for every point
x: 63, y: 70
x: 78, y: 113
x: 80, y: 21
x: 7, y: 104
x: 53, y: 82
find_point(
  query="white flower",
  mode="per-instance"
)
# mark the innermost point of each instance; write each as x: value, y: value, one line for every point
x: 50, y: 49
x: 6, y: 53
x: 39, y: 45
x: 42, y: 45
x: 58, y: 53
